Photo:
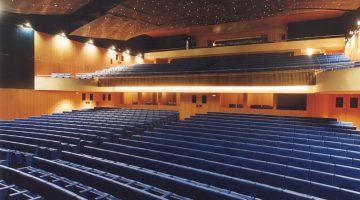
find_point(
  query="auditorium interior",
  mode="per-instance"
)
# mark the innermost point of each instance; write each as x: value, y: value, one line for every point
x: 179, y: 99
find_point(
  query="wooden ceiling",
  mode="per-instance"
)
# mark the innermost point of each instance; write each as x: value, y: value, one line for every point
x: 43, y: 7
x: 126, y: 19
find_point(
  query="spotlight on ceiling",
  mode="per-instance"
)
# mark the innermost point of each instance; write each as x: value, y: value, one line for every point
x: 127, y: 51
x: 90, y: 41
x: 113, y: 48
x: 62, y: 34
x: 26, y: 25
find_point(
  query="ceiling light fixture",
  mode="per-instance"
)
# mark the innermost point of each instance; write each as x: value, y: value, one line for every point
x: 113, y: 48
x: 62, y: 34
x: 90, y: 41
x: 26, y: 25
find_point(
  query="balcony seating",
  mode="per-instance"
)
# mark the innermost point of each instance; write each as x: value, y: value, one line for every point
x: 140, y: 154
x: 229, y: 64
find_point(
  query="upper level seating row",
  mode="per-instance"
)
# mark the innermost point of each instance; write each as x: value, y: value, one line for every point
x: 207, y: 156
x: 230, y: 64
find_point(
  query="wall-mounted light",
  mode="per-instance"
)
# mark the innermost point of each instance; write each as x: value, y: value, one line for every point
x: 139, y: 59
x: 358, y: 22
x: 351, y: 32
x: 309, y: 51
x: 127, y: 51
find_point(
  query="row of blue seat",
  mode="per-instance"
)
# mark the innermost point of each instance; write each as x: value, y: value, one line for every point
x: 11, y: 191
x: 213, y: 156
x: 275, y: 129
x: 36, y: 185
x: 242, y: 63
x: 286, y: 170
x: 219, y: 180
x: 191, y: 188
x: 292, y: 122
x: 296, y: 151
x: 282, y: 181
x: 285, y: 141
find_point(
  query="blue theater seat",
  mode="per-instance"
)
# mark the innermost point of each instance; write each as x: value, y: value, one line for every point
x: 143, y: 154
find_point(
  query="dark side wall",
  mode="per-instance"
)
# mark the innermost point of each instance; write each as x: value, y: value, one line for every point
x: 16, y: 57
x: 317, y: 28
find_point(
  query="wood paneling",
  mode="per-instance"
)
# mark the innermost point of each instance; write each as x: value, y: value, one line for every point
x: 278, y: 78
x: 56, y: 54
x: 22, y: 103
x: 345, y: 113
x: 339, y: 81
x: 260, y: 99
x: 329, y: 44
x: 318, y: 105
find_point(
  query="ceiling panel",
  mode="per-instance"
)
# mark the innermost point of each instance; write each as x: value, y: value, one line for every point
x: 42, y: 7
x: 137, y: 17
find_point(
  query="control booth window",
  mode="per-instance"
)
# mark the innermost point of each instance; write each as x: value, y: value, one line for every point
x: 291, y: 101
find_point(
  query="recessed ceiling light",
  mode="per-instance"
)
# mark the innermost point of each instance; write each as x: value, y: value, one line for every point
x: 27, y: 25
x: 62, y: 34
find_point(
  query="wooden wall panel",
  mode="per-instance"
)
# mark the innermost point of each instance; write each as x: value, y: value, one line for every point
x: 279, y: 78
x: 260, y: 99
x: 329, y: 44
x: 57, y: 54
x: 22, y: 103
x: 318, y: 105
x: 345, y: 113
x: 116, y: 99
